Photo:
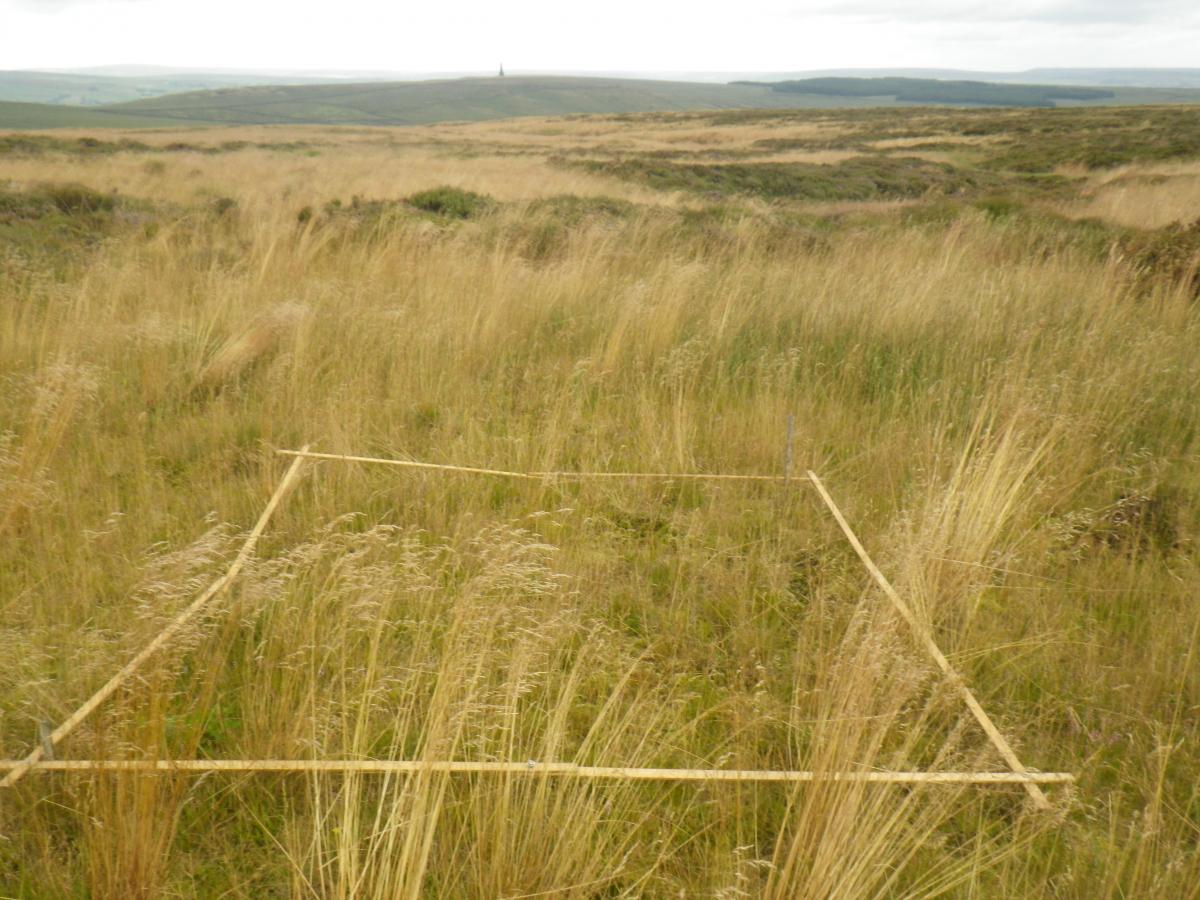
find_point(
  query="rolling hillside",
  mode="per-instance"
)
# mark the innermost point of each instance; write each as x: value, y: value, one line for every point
x: 925, y: 90
x: 411, y: 103
x: 21, y: 116
x: 466, y: 99
x: 475, y: 99
x: 1186, y: 79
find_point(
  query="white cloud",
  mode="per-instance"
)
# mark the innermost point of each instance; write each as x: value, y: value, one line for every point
x: 1057, y: 12
x: 647, y: 35
x: 54, y: 6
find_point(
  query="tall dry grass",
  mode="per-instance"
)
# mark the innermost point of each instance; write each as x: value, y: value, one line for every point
x: 1009, y: 423
x: 1143, y: 196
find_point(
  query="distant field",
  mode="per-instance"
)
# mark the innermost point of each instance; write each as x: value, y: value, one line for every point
x: 979, y: 327
x: 47, y: 115
x: 477, y: 99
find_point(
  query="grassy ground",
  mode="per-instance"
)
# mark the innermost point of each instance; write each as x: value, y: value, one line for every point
x: 992, y: 366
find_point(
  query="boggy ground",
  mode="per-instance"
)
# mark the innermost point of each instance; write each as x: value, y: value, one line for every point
x: 985, y: 324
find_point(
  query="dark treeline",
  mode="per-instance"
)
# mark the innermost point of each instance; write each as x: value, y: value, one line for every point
x: 928, y: 90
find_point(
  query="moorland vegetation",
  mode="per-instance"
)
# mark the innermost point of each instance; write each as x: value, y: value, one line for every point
x: 984, y: 324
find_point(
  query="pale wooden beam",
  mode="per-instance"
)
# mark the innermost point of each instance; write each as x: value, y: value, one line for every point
x: 211, y: 593
x: 927, y: 641
x: 398, y: 766
x: 533, y: 476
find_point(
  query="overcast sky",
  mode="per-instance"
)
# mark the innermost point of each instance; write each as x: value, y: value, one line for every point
x: 646, y: 35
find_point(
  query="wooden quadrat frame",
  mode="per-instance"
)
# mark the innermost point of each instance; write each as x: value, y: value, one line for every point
x: 42, y: 757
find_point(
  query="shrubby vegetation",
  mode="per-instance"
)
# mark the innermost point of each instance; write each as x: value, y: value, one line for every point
x: 450, y: 201
x: 25, y: 145
x: 862, y: 178
x: 51, y: 222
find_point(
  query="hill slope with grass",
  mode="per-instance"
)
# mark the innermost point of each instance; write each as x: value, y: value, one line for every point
x: 903, y: 90
x: 928, y: 90
x: 20, y: 116
x: 477, y: 99
x: 463, y: 99
x: 473, y: 99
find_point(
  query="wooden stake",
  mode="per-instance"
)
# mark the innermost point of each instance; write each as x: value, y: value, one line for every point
x: 787, y: 450
x: 926, y: 639
x: 44, y: 737
x: 212, y: 592
x: 397, y: 766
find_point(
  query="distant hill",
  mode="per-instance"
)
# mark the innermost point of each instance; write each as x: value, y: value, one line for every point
x: 1146, y: 78
x: 927, y: 90
x: 98, y: 88
x: 473, y: 99
x: 209, y: 78
x: 405, y: 103
x: 424, y: 102
x: 27, y: 116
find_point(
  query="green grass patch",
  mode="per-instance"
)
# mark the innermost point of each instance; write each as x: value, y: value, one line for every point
x: 1095, y: 138
x: 862, y: 178
x: 56, y: 221
x: 451, y: 202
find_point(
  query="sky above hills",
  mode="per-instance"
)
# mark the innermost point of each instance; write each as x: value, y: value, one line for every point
x: 615, y: 35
